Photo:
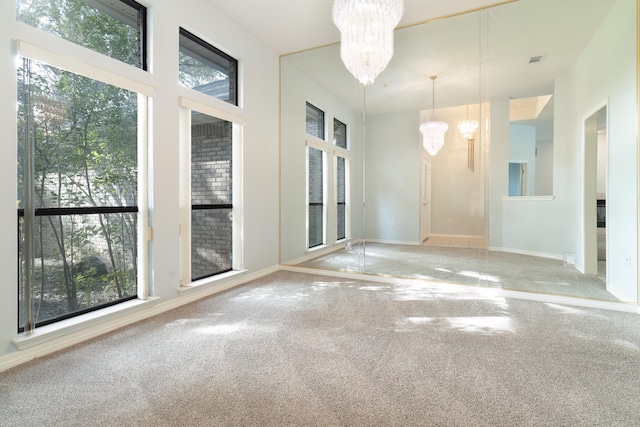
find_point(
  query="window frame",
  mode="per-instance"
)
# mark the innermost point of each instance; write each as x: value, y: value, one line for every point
x: 322, y: 127
x: 336, y: 123
x: 106, y: 9
x: 343, y: 152
x: 186, y: 106
x: 182, y: 32
x: 311, y: 144
x: 318, y: 142
x: 60, y: 60
x: 347, y: 196
x: 331, y: 152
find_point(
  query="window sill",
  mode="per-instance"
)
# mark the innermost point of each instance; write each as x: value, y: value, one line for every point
x: 316, y: 248
x: 82, y: 322
x: 528, y: 198
x: 222, y: 281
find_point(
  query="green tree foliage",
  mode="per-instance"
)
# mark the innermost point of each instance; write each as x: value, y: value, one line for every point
x: 84, y: 136
x: 87, y: 26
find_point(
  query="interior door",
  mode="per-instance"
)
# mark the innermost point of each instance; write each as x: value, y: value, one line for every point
x: 425, y: 200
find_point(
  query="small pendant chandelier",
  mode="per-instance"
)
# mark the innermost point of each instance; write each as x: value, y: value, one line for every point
x: 366, y: 34
x: 468, y: 129
x: 433, y: 130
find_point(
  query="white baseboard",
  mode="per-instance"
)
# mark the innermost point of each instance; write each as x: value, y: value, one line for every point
x: 393, y: 242
x: 458, y: 236
x: 525, y: 252
x: 314, y: 253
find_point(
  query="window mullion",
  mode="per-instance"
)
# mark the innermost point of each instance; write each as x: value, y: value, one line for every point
x: 144, y: 233
x: 185, y: 199
x: 29, y: 200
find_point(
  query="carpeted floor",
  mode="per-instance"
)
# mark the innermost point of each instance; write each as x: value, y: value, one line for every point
x: 293, y: 349
x: 473, y: 266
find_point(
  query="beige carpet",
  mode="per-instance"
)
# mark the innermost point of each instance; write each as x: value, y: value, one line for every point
x: 472, y: 266
x: 293, y: 349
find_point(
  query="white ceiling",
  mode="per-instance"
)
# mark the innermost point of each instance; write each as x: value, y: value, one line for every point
x: 479, y: 55
x: 294, y: 25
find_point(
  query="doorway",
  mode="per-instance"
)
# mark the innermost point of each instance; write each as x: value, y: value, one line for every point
x: 518, y: 179
x: 595, y: 193
x: 425, y: 200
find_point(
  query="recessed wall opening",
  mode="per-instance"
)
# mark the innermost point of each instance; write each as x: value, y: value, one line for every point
x: 595, y: 193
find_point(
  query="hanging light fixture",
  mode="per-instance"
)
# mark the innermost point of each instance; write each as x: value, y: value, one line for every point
x: 433, y: 130
x: 468, y: 129
x: 366, y: 34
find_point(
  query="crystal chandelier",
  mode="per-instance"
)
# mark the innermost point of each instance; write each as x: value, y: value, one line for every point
x: 366, y: 30
x: 433, y: 130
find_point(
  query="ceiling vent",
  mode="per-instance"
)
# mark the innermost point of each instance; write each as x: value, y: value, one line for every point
x: 536, y: 59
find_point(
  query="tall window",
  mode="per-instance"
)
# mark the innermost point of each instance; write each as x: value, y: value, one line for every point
x: 77, y: 194
x: 316, y: 211
x: 341, y: 198
x: 115, y: 28
x: 316, y: 197
x: 211, y: 196
x: 340, y: 140
x: 78, y: 220
x: 206, y: 69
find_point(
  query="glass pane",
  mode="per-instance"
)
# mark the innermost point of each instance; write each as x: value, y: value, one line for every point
x: 339, y: 134
x: 315, y: 121
x: 341, y: 197
x: 81, y: 262
x: 316, y: 198
x: 211, y: 195
x: 211, y: 160
x: 85, y: 138
x: 113, y: 28
x: 211, y: 242
x: 206, y: 69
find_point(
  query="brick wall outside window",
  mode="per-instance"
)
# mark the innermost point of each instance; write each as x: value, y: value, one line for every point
x: 211, y: 183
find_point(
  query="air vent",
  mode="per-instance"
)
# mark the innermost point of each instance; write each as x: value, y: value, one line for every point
x: 536, y: 59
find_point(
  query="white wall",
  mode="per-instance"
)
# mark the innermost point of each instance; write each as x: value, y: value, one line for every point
x: 498, y: 169
x: 296, y: 90
x: 392, y: 155
x: 605, y: 74
x: 394, y: 147
x: 457, y: 196
x: 259, y: 94
x: 544, y: 168
x: 529, y: 225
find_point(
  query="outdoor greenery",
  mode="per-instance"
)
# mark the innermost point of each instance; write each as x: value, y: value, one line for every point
x: 82, y: 134
x: 76, y: 21
x: 205, y: 69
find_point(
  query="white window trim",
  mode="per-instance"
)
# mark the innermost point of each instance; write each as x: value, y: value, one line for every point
x: 330, y: 208
x: 52, y: 55
x: 313, y: 143
x: 210, y: 108
x: 347, y: 195
x: 104, y: 69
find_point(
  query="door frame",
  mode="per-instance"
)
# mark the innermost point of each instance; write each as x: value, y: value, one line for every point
x: 425, y: 198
